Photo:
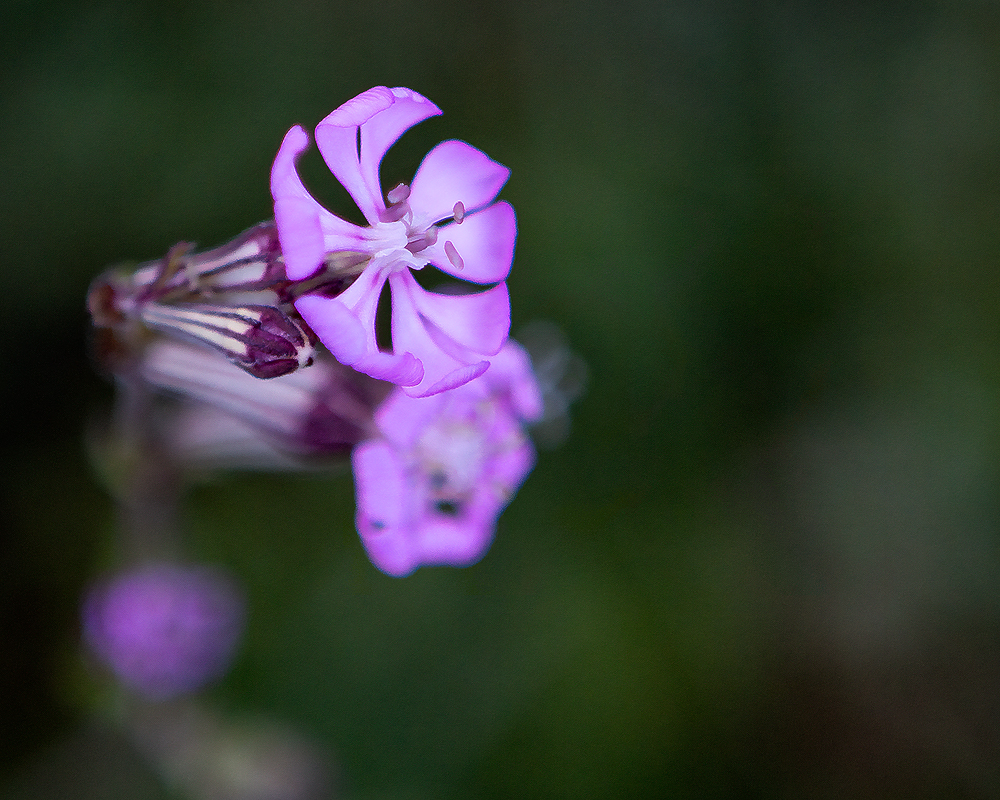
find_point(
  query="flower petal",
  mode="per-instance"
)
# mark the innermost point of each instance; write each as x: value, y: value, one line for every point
x: 455, y: 542
x: 300, y: 236
x: 403, y: 369
x: 479, y: 322
x: 455, y: 172
x: 511, y: 374
x: 430, y: 491
x: 383, y: 498
x: 485, y: 242
x: 284, y: 177
x: 510, y: 468
x: 382, y: 115
x: 306, y: 230
x: 401, y: 418
x: 346, y: 325
x: 463, y: 539
x: 339, y: 328
x: 512, y: 379
x: 446, y: 363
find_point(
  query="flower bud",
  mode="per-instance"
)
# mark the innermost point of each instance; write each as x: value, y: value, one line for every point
x: 263, y: 340
x: 310, y: 413
x: 248, y: 263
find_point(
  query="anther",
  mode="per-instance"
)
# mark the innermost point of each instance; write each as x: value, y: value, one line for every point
x: 458, y: 212
x: 422, y: 241
x: 453, y: 256
x: 398, y: 194
x: 394, y: 213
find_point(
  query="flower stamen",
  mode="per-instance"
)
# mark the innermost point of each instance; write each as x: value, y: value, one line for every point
x: 394, y: 213
x: 398, y: 194
x: 453, y: 256
x: 398, y: 207
x: 422, y: 240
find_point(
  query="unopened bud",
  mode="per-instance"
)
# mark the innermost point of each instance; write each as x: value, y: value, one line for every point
x: 263, y: 340
x: 248, y: 264
x: 311, y: 413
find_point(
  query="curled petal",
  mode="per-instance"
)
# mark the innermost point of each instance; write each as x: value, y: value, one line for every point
x: 479, y: 322
x: 306, y: 230
x: 284, y: 177
x: 441, y: 371
x: 336, y: 326
x: 403, y: 369
x: 294, y: 209
x: 346, y: 325
x: 300, y: 236
x: 455, y: 172
x: 485, y: 242
x: 446, y: 362
x: 381, y: 115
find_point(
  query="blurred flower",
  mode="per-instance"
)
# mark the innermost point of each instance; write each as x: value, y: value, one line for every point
x: 246, y: 269
x: 561, y: 375
x: 207, y: 756
x: 439, y: 341
x: 233, y: 299
x: 165, y: 629
x: 429, y: 491
x: 311, y: 413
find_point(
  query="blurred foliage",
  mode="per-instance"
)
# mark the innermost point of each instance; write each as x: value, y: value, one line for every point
x: 764, y: 563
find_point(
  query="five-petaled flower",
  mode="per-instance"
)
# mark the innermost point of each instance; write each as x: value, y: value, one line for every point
x: 429, y: 491
x: 447, y: 217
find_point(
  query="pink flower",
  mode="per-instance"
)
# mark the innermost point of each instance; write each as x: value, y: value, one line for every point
x: 446, y: 217
x: 430, y: 490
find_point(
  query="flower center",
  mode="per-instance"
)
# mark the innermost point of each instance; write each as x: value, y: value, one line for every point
x: 453, y: 457
x: 396, y: 237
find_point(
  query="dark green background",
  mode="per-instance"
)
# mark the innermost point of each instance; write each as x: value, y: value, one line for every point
x: 765, y: 562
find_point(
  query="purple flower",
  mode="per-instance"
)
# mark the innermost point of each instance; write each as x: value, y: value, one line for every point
x: 447, y: 218
x: 430, y: 490
x: 165, y: 629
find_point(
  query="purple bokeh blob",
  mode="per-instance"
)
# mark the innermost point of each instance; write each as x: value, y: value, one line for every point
x: 165, y: 629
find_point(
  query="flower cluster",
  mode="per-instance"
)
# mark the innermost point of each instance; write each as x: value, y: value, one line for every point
x: 270, y: 343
